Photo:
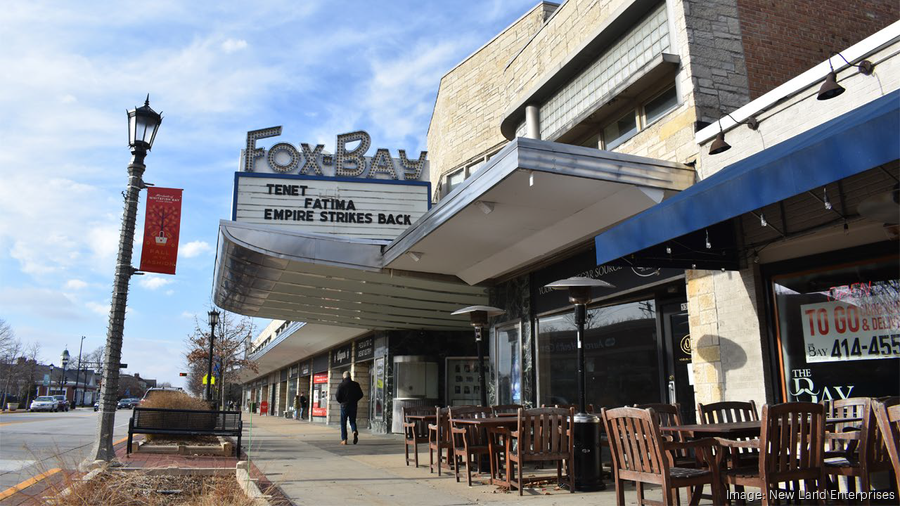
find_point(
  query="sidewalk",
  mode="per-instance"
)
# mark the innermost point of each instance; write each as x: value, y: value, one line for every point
x: 310, y: 466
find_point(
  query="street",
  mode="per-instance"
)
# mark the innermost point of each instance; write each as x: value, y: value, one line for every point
x: 31, y: 443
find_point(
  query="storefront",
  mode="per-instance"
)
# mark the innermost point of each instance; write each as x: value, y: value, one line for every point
x: 319, y: 401
x: 635, y: 337
x: 378, y: 382
x: 362, y: 371
x: 341, y: 359
x: 836, y: 323
x: 304, y: 384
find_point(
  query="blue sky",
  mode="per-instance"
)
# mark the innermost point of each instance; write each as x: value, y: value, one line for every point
x: 215, y: 70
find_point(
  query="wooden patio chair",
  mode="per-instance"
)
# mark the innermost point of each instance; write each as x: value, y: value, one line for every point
x: 439, y: 440
x: 541, y: 435
x: 791, y: 449
x: 505, y: 409
x: 670, y: 416
x: 857, y: 449
x: 415, y: 432
x: 468, y: 441
x: 887, y: 415
x: 730, y: 412
x: 639, y: 455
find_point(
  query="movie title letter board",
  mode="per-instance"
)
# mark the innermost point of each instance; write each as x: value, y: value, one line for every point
x: 347, y: 193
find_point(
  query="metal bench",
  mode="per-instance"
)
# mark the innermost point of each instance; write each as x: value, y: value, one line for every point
x: 185, y: 422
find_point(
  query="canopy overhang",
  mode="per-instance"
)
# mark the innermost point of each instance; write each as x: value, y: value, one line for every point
x: 533, y: 199
x: 862, y: 139
x: 272, y: 273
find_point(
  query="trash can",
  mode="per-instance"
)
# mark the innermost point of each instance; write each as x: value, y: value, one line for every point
x: 587, y: 453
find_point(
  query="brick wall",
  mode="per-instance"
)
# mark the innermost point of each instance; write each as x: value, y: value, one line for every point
x: 782, y: 39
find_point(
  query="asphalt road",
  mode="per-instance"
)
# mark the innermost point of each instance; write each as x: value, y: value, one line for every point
x: 31, y: 443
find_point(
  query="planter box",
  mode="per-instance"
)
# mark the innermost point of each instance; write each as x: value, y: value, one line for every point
x: 12, y: 406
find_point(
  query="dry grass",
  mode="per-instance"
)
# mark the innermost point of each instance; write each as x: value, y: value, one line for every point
x: 134, y: 488
x: 174, y: 400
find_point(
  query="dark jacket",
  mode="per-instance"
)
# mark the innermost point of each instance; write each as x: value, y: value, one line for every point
x: 303, y: 401
x: 348, y: 392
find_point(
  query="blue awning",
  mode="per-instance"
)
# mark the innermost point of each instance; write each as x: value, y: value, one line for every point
x: 860, y: 140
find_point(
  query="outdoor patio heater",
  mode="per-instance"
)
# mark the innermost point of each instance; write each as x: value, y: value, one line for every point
x: 588, y: 477
x: 479, y: 315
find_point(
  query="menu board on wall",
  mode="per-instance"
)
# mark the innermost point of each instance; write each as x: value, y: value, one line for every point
x: 463, y: 385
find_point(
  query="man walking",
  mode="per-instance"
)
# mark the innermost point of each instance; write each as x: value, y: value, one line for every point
x: 304, y: 402
x: 348, y: 394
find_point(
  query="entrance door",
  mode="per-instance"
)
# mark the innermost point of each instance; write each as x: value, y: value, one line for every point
x: 677, y: 339
x: 508, y: 364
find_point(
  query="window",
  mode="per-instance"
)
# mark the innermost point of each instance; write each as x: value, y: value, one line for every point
x: 507, y: 366
x: 455, y: 178
x: 659, y: 106
x: 620, y: 131
x: 837, y: 329
x: 620, y: 352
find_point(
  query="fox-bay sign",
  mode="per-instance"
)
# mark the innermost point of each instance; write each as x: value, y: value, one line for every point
x: 346, y: 193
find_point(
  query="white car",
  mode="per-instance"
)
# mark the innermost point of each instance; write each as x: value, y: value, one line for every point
x: 44, y: 403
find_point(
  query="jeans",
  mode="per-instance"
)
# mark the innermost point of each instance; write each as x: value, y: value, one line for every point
x: 348, y: 413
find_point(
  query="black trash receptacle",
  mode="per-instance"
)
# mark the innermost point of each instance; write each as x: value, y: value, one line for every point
x: 587, y: 453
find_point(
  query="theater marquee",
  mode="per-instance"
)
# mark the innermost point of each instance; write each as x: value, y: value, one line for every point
x: 346, y: 194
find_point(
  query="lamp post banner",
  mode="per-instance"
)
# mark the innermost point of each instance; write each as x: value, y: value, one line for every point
x: 162, y: 225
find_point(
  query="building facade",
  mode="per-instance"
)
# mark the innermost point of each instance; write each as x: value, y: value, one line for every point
x: 577, y: 143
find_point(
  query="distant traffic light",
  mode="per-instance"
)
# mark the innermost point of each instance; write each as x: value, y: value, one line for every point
x: 182, y: 374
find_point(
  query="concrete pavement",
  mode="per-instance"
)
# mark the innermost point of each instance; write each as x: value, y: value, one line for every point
x: 31, y: 443
x: 310, y: 466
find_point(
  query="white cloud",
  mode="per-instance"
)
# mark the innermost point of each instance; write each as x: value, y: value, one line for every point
x: 154, y: 282
x: 39, y: 302
x: 194, y: 249
x: 76, y: 284
x: 189, y: 316
x: 232, y: 45
x: 97, y: 307
x: 170, y: 292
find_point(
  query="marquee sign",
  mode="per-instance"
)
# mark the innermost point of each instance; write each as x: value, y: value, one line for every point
x: 345, y: 194
x: 285, y: 158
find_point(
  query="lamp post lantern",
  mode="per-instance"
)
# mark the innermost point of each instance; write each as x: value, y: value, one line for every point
x: 213, y: 321
x: 479, y: 315
x: 50, y: 386
x: 143, y: 123
x: 587, y: 426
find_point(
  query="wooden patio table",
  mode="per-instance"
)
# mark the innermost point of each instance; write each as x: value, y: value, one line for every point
x: 489, y: 423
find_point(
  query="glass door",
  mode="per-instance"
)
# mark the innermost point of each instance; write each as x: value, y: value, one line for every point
x: 508, y: 364
x: 679, y: 374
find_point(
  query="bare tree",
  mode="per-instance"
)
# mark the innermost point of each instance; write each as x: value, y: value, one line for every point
x: 28, y: 382
x: 228, y: 348
x: 10, y: 352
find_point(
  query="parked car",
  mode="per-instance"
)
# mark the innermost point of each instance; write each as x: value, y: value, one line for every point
x: 44, y: 403
x: 152, y: 391
x: 128, y: 403
x: 63, y: 403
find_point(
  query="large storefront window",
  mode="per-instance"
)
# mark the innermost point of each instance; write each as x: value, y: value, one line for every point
x: 621, y: 356
x: 839, y: 331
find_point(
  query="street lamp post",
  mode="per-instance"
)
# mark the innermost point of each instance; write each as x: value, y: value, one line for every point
x: 143, y: 123
x: 213, y: 321
x: 77, y: 376
x: 587, y: 426
x: 65, y: 363
x: 50, y: 386
x: 479, y: 315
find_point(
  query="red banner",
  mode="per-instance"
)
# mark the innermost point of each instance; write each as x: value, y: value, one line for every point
x: 161, y: 227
